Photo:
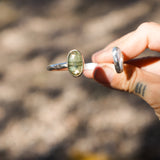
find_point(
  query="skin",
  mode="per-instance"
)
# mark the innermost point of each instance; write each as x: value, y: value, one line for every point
x: 140, y: 76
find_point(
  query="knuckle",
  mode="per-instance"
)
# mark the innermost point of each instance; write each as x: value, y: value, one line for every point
x: 131, y: 78
x: 127, y: 79
x: 146, y: 31
x: 132, y: 81
x: 145, y: 26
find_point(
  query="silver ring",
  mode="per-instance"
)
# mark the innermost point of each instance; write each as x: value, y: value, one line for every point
x: 118, y: 59
x: 75, y: 64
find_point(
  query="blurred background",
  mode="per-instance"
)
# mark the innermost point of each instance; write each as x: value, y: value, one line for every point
x: 53, y: 116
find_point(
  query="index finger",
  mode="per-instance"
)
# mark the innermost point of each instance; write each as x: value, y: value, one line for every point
x: 133, y: 44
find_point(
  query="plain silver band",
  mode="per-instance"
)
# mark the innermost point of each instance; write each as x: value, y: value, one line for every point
x: 118, y: 59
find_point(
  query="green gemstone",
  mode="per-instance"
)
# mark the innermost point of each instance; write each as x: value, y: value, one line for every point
x: 75, y: 63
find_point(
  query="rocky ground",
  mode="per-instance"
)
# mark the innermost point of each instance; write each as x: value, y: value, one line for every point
x: 53, y: 116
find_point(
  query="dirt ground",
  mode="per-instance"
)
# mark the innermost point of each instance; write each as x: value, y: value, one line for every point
x: 53, y: 116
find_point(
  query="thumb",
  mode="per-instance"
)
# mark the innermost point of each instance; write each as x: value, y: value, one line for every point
x: 132, y: 79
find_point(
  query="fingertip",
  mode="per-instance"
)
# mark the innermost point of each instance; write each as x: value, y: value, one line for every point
x: 103, y: 56
x: 96, y: 55
x: 89, y: 69
x: 104, y: 74
x: 88, y: 73
x: 94, y: 58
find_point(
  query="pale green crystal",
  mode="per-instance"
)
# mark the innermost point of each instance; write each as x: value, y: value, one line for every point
x: 75, y: 63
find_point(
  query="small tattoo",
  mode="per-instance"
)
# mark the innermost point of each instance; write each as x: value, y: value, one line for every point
x: 140, y: 88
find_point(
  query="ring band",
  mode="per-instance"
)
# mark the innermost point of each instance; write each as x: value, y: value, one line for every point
x: 58, y: 66
x: 118, y: 59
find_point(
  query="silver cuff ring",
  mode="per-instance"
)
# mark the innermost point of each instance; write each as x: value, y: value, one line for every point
x: 75, y: 64
x: 118, y: 59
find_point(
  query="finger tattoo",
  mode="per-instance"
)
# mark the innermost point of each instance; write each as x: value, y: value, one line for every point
x: 140, y: 89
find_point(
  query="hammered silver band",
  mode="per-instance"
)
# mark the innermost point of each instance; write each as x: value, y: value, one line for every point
x: 58, y: 67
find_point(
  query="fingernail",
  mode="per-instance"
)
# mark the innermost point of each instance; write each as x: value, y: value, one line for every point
x: 95, y: 55
x: 104, y: 75
x: 90, y: 66
x: 102, y: 57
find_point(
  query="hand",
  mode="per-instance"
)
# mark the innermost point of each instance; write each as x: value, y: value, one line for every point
x: 141, y: 76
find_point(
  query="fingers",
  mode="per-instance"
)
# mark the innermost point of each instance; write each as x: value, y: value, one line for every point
x: 146, y: 36
x: 133, y: 79
x: 149, y: 64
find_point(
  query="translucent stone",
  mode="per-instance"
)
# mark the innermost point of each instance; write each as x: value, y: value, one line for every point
x: 75, y: 63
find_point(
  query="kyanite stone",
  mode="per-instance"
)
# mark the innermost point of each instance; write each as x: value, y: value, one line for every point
x: 75, y: 63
